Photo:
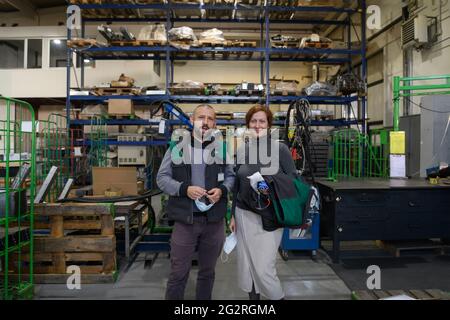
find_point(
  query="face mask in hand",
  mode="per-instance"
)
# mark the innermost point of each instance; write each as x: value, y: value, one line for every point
x: 229, y: 245
x: 202, y: 206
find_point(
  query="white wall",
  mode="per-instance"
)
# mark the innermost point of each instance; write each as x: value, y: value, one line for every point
x: 51, y: 82
x: 433, y: 61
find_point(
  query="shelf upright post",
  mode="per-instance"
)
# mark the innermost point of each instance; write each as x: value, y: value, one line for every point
x: 169, y: 76
x: 267, y: 51
x: 82, y: 65
x: 68, y: 66
x: 364, y: 61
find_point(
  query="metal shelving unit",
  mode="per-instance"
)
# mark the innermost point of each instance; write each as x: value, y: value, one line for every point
x: 264, y: 14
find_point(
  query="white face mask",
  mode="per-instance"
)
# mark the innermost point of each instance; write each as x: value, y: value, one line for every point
x: 229, y: 245
x: 202, y: 206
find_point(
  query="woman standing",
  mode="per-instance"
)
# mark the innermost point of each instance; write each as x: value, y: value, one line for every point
x: 258, y: 238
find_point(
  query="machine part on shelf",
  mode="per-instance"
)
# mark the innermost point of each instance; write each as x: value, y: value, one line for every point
x: 320, y: 89
x: 247, y: 88
x: 46, y: 185
x: 128, y: 36
x: 316, y: 41
x: 21, y: 176
x: 108, y: 34
x: 130, y: 81
x: 132, y: 155
x: 350, y: 83
x: 66, y: 190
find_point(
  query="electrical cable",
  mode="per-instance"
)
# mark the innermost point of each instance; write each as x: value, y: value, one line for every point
x: 144, y: 196
x: 424, y: 108
x: 301, y: 141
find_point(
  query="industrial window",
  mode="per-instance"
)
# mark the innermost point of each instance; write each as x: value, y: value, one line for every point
x: 87, y: 62
x: 58, y: 53
x: 12, y: 54
x: 34, y: 54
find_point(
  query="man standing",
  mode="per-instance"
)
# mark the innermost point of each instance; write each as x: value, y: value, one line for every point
x: 197, y: 190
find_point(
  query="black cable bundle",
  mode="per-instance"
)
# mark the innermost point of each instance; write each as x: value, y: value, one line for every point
x: 298, y: 116
x: 143, y: 196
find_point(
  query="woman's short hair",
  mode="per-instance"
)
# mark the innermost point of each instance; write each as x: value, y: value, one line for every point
x: 258, y: 108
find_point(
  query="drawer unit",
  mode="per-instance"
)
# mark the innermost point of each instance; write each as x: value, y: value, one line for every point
x: 383, y: 210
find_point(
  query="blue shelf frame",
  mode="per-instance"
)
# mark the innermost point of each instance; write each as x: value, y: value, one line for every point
x: 266, y: 52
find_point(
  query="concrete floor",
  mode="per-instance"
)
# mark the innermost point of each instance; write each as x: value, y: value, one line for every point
x: 301, y: 277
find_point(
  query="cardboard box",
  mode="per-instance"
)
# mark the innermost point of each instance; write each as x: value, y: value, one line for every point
x: 124, y: 179
x: 120, y: 106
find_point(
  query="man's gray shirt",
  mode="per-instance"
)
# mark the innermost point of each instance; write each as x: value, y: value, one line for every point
x: 171, y: 187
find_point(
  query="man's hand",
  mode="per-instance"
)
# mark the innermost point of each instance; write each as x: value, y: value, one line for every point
x: 214, y: 195
x: 195, y: 193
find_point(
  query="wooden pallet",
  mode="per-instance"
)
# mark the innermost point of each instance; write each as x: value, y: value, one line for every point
x: 317, y: 45
x: 397, y: 247
x: 139, y: 43
x: 116, y: 91
x: 219, y: 14
x: 82, y: 43
x: 214, y: 44
x: 285, y: 44
x: 79, y: 234
x: 187, y: 91
x: 242, y: 44
x: 117, y: 13
x: 249, y: 93
x: 120, y: 116
x: 187, y: 13
x: 431, y: 294
x: 149, y: 1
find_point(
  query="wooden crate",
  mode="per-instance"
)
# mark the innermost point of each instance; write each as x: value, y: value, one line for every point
x: 397, y: 247
x: 431, y: 294
x: 78, y: 234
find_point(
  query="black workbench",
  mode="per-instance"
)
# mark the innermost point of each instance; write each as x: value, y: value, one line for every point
x: 376, y: 209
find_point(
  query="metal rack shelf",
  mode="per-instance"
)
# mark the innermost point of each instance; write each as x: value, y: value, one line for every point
x: 144, y: 99
x: 262, y: 14
x: 143, y: 122
x: 218, y: 53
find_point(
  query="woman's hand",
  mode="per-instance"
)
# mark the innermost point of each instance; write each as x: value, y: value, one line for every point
x: 232, y: 224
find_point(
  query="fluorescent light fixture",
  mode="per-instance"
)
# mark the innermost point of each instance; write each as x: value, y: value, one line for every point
x: 57, y: 42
